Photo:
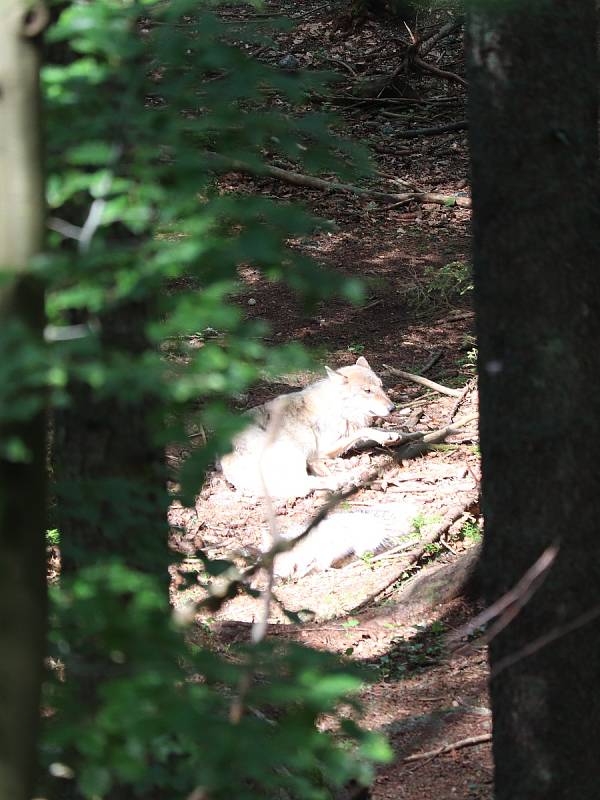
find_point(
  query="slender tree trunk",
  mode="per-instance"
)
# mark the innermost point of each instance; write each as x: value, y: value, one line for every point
x: 110, y: 476
x: 22, y: 482
x: 533, y: 119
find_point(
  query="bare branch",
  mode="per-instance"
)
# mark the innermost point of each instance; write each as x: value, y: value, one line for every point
x: 447, y: 748
x: 409, y: 376
x: 224, y: 164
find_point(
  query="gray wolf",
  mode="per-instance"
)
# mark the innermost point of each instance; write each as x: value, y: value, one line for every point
x: 294, y: 431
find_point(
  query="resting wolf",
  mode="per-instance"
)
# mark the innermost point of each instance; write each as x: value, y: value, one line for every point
x: 291, y: 432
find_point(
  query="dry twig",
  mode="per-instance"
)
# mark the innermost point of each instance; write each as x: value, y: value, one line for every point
x: 447, y: 748
x: 409, y: 133
x: 409, y: 376
x: 506, y: 608
x: 440, y: 73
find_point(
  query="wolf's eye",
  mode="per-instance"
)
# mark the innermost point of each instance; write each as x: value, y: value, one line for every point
x: 367, y: 390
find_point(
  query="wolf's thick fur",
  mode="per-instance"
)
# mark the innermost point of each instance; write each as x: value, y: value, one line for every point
x: 331, y: 540
x: 338, y: 536
x: 290, y: 432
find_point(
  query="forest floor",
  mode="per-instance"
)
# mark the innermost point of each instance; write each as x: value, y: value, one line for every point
x: 391, y: 613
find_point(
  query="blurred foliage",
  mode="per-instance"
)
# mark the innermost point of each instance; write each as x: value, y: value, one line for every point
x: 139, y: 711
x: 137, y: 95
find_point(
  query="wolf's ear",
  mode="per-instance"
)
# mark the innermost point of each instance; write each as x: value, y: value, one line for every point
x: 335, y: 376
x: 361, y: 361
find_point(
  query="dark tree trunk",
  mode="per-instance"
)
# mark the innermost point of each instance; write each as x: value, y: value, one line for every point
x: 533, y: 120
x: 110, y: 475
x: 22, y: 482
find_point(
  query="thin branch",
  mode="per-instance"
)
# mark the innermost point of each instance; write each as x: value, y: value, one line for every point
x: 441, y: 73
x: 459, y: 401
x: 543, y: 641
x: 343, y: 64
x: 428, y: 43
x: 311, y: 11
x: 447, y: 748
x: 387, y: 554
x: 506, y: 608
x: 409, y: 376
x: 409, y: 133
x: 432, y: 361
x: 66, y: 229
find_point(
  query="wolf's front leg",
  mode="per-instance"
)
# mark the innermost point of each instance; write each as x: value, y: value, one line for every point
x: 361, y: 436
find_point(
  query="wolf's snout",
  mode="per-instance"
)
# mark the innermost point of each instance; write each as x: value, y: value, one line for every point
x: 385, y: 406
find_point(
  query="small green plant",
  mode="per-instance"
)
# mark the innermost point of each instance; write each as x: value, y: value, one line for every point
x: 356, y: 348
x: 424, y: 649
x: 350, y: 623
x: 53, y: 537
x: 433, y: 549
x: 420, y: 521
x: 441, y: 286
x: 367, y: 558
x: 471, y: 531
x: 468, y: 361
x: 437, y: 627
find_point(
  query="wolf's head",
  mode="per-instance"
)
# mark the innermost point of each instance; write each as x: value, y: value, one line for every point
x: 360, y: 392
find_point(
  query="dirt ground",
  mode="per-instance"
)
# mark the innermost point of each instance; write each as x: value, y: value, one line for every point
x: 423, y: 696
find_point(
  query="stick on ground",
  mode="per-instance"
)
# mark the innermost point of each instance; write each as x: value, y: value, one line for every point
x: 447, y: 748
x: 224, y: 164
x: 409, y: 376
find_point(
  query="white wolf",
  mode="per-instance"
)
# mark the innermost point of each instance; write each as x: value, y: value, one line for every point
x: 291, y: 432
x: 338, y: 536
x: 335, y: 538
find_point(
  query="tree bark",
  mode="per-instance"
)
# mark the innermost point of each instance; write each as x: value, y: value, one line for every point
x: 533, y: 125
x: 110, y: 475
x: 22, y: 482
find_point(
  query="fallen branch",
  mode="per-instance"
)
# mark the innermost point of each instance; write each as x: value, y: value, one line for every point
x: 432, y: 361
x: 440, y: 73
x: 422, y: 400
x: 442, y: 433
x: 409, y: 376
x: 461, y: 125
x: 468, y: 386
x: 447, y: 748
x: 418, y: 447
x: 225, y: 164
x: 420, y: 48
x: 427, y: 44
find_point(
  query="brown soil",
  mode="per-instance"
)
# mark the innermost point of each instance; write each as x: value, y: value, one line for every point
x: 422, y: 696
